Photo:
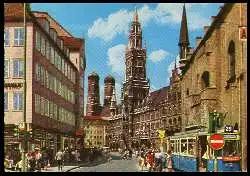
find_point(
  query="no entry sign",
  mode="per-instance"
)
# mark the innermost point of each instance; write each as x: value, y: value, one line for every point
x: 216, y: 141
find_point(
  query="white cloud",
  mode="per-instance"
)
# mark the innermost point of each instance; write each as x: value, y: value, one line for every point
x: 164, y: 14
x: 108, y: 28
x: 116, y: 58
x: 158, y: 55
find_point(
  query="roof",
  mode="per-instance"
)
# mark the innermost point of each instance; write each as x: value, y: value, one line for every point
x: 53, y: 23
x: 109, y: 79
x: 155, y: 98
x: 72, y: 43
x: 184, y: 29
x: 14, y: 11
x: 93, y: 74
x: 219, y: 18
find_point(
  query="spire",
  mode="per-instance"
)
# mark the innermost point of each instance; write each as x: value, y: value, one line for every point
x: 136, y: 15
x: 184, y: 29
x: 175, y: 64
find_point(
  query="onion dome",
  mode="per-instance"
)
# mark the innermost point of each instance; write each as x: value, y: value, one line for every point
x: 94, y: 75
x: 109, y: 79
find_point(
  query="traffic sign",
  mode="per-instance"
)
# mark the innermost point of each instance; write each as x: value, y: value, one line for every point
x: 216, y: 141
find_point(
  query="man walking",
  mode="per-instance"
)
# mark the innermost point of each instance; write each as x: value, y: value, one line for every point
x: 59, y: 159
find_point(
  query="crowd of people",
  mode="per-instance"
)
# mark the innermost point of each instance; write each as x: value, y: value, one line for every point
x: 155, y: 160
x: 38, y: 159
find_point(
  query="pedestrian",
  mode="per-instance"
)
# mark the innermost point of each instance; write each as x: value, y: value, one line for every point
x: 59, y: 159
x: 38, y: 158
x: 163, y: 161
x: 150, y: 160
x: 202, y: 168
x: 169, y: 161
x: 45, y: 159
x: 141, y: 161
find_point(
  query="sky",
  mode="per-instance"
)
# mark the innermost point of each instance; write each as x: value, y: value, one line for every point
x: 105, y: 26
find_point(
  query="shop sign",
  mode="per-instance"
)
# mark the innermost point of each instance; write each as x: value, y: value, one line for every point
x: 231, y: 136
x: 243, y: 33
x: 231, y: 158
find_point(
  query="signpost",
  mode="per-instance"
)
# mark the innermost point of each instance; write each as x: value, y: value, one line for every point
x: 216, y: 142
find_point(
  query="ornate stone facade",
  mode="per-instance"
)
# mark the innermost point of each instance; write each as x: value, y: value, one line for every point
x: 215, y: 76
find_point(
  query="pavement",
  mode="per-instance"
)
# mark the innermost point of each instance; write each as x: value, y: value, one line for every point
x: 115, y: 165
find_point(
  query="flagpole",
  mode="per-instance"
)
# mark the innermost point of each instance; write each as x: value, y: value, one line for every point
x: 25, y: 141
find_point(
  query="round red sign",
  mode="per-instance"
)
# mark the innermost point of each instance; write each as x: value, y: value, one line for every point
x: 216, y: 141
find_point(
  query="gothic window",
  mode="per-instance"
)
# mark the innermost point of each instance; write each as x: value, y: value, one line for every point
x: 231, y: 68
x: 205, y: 79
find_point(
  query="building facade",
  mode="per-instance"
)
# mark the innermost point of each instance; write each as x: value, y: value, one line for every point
x: 215, y: 74
x: 53, y: 86
x: 136, y: 120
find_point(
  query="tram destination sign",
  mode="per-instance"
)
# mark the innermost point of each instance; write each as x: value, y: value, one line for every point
x: 216, y: 141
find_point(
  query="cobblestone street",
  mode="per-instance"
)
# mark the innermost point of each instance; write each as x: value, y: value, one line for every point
x: 115, y: 165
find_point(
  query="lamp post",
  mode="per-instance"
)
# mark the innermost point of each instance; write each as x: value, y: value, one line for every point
x: 25, y: 141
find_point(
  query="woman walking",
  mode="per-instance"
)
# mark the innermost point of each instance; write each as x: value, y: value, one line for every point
x: 169, y: 162
x: 59, y: 159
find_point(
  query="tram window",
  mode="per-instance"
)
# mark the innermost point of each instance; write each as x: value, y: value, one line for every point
x: 191, y: 146
x: 231, y: 148
x: 183, y: 146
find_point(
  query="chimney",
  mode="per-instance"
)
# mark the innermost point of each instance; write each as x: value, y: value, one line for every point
x: 206, y: 29
x: 198, y: 40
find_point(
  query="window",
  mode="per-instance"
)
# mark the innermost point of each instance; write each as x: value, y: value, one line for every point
x: 63, y: 70
x: 6, y: 37
x: 6, y: 68
x: 38, y: 71
x: 47, y: 50
x: 18, y: 101
x: 205, y: 79
x: 55, y: 111
x: 42, y: 105
x: 59, y: 62
x: 18, y: 68
x: 37, y: 103
x: 5, y: 101
x: 187, y: 93
x: 19, y: 36
x: 66, y: 68
x: 47, y: 78
x: 56, y: 59
x: 42, y: 75
x: 52, y: 55
x: 231, y: 69
x: 46, y: 108
x: 51, y: 107
x: 42, y: 45
x: 38, y: 41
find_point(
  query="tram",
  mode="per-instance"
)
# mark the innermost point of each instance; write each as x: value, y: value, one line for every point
x: 190, y: 149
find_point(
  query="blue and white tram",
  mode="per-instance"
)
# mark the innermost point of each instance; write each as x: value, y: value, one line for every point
x: 189, y: 150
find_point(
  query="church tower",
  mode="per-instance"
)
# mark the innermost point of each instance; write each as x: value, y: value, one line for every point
x: 93, y: 104
x: 136, y: 86
x: 183, y: 40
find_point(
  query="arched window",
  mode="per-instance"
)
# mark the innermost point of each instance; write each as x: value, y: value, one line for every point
x: 205, y: 79
x: 231, y: 61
